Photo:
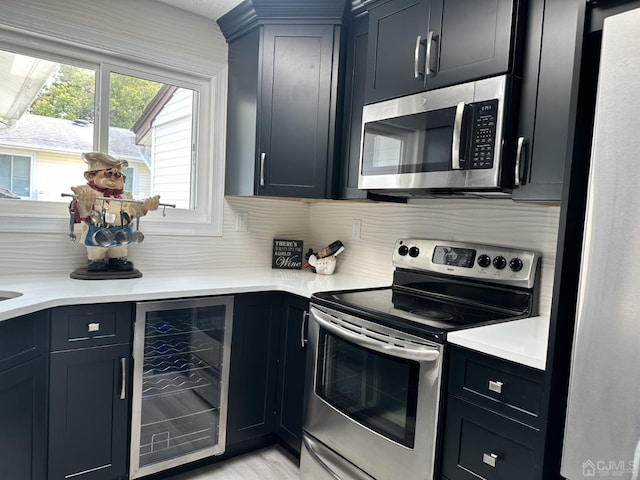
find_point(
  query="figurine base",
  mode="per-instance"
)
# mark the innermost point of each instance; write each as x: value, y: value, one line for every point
x: 83, y: 274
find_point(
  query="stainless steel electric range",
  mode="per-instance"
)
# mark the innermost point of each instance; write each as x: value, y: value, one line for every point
x: 375, y: 362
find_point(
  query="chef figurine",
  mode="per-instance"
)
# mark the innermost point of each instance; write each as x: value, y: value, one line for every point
x: 106, y: 230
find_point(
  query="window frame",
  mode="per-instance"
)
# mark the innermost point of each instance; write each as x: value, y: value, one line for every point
x: 205, y: 219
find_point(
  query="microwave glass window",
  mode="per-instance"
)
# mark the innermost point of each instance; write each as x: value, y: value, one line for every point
x: 376, y: 390
x: 386, y: 150
x: 410, y: 144
x: 437, y: 149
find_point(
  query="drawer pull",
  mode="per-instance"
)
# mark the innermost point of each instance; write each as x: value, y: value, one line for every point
x: 94, y: 327
x: 495, y: 386
x: 490, y: 459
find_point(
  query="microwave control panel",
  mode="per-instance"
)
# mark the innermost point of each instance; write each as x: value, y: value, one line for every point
x: 483, y: 135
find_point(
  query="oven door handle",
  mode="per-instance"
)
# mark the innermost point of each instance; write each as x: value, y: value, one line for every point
x: 420, y: 353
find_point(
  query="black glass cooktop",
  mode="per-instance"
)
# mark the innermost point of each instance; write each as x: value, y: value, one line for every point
x: 423, y: 315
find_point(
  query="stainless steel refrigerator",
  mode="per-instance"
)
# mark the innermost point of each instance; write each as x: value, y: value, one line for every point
x: 602, y: 433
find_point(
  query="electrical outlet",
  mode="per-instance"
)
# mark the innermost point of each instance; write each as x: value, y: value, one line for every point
x: 356, y: 227
x: 242, y: 221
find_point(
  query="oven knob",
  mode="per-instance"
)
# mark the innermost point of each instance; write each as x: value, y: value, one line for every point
x: 484, y: 260
x: 403, y: 250
x: 414, y: 252
x: 499, y: 262
x: 516, y: 264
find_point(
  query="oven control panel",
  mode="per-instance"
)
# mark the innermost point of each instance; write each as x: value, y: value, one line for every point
x: 483, y: 262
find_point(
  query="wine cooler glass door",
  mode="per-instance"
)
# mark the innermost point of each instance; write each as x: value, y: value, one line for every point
x: 181, y: 358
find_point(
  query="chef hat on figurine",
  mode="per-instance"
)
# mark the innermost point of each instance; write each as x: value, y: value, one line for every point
x: 101, y: 161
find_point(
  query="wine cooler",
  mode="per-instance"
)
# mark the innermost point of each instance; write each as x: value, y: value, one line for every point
x: 181, y: 357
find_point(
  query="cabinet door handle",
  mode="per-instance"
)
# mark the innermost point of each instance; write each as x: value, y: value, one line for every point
x: 123, y: 386
x: 517, y: 175
x: 263, y: 156
x: 416, y: 58
x: 303, y: 339
x: 490, y: 459
x: 427, y: 61
x: 495, y: 386
x: 93, y: 327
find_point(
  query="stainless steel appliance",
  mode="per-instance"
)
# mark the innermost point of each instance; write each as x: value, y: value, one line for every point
x: 602, y: 431
x: 375, y: 362
x: 181, y: 357
x: 457, y: 138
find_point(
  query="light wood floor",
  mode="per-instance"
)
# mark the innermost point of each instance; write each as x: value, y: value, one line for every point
x: 271, y: 463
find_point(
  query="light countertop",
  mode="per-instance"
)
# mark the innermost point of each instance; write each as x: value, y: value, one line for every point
x: 39, y: 293
x: 521, y: 341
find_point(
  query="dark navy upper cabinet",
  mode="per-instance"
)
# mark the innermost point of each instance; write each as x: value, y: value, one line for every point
x: 283, y: 98
x: 417, y: 45
x: 549, y: 98
x: 397, y: 30
x: 355, y: 79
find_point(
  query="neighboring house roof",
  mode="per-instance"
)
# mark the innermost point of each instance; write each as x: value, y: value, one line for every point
x: 48, y: 133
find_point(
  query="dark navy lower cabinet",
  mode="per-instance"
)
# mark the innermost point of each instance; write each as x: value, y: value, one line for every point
x: 253, y: 371
x: 23, y: 397
x: 266, y: 385
x: 291, y: 370
x: 89, y: 392
x: 492, y: 427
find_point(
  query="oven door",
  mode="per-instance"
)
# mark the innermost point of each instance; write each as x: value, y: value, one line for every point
x: 372, y: 398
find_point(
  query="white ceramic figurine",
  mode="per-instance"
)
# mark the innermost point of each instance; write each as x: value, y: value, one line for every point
x: 107, y: 223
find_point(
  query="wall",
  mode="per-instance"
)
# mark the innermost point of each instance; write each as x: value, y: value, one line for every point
x: 494, y: 222
x: 499, y: 222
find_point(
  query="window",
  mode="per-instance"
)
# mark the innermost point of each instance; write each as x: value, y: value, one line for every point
x: 15, y: 176
x: 55, y: 105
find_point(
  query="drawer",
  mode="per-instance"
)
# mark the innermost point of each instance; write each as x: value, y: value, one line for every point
x: 481, y: 444
x: 23, y: 338
x: 83, y: 326
x: 508, y: 388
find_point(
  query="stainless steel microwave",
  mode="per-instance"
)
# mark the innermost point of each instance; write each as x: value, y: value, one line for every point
x: 453, y: 139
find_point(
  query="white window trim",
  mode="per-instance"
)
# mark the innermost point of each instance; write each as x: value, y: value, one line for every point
x: 26, y: 216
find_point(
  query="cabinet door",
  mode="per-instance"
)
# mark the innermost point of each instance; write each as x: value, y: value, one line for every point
x: 472, y: 39
x: 252, y: 378
x: 396, y: 49
x: 23, y: 416
x: 291, y: 370
x: 549, y: 97
x: 355, y: 78
x: 297, y: 110
x: 89, y: 413
x: 479, y: 444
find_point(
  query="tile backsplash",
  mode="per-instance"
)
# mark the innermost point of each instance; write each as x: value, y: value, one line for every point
x: 498, y: 222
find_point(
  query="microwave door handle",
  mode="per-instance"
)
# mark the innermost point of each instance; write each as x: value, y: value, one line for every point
x: 457, y: 135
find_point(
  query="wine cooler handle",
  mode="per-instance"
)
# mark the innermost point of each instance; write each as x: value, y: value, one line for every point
x: 123, y: 386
